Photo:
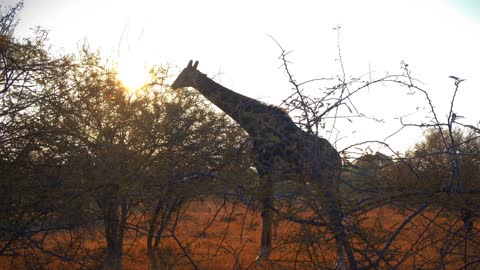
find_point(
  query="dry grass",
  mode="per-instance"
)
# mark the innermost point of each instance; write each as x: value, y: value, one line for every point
x: 231, y: 241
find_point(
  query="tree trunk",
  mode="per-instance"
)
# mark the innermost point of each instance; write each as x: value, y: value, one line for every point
x: 159, y: 222
x: 114, y: 219
x: 151, y: 238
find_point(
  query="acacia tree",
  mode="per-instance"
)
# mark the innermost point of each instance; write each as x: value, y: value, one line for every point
x: 406, y: 186
x: 77, y: 142
x: 188, y: 149
x: 116, y: 154
x: 447, y: 162
x: 28, y: 168
x: 78, y: 151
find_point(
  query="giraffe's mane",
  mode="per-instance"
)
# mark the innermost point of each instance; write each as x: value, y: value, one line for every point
x: 275, y: 108
x: 279, y: 112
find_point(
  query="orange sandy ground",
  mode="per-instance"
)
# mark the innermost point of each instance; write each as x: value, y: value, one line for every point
x: 233, y: 239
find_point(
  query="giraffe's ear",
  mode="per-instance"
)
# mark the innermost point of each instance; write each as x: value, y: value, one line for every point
x: 189, y: 64
x: 195, y: 65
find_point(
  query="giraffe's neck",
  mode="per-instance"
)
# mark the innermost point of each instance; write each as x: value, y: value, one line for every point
x: 252, y: 115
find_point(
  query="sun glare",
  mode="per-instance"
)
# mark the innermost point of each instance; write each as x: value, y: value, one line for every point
x: 132, y: 73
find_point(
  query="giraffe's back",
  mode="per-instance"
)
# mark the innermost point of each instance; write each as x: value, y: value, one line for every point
x: 295, y: 153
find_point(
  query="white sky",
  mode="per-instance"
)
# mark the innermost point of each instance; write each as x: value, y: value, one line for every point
x: 437, y: 38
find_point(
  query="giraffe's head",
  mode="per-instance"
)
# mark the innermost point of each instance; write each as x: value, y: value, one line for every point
x: 187, y: 77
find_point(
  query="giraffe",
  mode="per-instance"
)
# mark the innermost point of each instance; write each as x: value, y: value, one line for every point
x: 279, y: 148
